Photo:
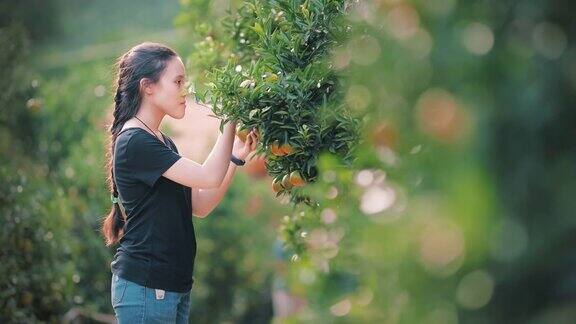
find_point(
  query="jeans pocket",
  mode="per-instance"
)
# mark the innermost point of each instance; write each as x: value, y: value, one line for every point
x: 118, y: 289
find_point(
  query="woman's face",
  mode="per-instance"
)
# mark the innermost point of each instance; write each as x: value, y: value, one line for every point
x: 169, y: 93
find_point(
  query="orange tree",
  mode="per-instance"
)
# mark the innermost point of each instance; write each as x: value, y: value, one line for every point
x: 279, y: 80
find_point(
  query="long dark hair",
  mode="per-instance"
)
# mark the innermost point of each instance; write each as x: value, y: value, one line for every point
x: 145, y: 60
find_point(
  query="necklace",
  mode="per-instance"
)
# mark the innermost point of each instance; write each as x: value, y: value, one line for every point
x: 151, y: 130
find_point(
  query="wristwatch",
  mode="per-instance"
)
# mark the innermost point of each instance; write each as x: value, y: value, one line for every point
x: 237, y: 161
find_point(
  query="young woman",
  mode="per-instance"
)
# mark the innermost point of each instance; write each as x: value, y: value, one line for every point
x: 155, y: 191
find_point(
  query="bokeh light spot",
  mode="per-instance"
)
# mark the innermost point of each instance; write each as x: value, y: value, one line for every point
x: 341, y: 308
x: 475, y: 289
x: 376, y: 199
x: 365, y: 50
x: 441, y: 244
x: 549, y: 40
x: 509, y: 241
x: 440, y: 116
x: 328, y: 216
x: 402, y: 21
x: 477, y: 38
x: 358, y: 97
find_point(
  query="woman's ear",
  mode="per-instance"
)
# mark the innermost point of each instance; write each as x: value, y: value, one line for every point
x: 146, y: 86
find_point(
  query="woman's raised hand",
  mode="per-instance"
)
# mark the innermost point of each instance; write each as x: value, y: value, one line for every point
x: 242, y: 149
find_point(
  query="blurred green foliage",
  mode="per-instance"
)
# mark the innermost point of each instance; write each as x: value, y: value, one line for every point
x: 52, y: 202
x: 233, y: 271
x: 455, y: 209
x: 32, y: 243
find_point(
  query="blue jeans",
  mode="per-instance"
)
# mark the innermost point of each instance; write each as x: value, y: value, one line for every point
x: 134, y: 303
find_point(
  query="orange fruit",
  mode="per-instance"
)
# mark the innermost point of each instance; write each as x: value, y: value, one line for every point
x: 287, y: 149
x: 286, y: 182
x: 277, y: 185
x: 242, y: 134
x: 276, y: 150
x: 296, y: 179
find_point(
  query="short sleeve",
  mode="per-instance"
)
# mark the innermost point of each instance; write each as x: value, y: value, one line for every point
x: 149, y: 158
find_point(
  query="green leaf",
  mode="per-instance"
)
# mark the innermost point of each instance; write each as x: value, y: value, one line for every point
x: 258, y: 29
x: 252, y: 113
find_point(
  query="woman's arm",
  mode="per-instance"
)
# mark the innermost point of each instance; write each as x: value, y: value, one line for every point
x: 210, y: 174
x: 219, y: 158
x: 205, y: 200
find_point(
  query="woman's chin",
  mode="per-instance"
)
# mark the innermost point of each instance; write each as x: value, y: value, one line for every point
x: 179, y: 114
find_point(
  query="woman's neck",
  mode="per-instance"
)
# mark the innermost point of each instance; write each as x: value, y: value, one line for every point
x: 151, y: 116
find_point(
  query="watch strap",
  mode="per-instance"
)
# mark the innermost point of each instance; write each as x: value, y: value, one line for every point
x: 236, y: 160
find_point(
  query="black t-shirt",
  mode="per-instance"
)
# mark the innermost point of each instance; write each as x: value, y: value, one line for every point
x: 158, y: 247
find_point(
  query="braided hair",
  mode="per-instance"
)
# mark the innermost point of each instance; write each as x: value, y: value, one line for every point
x: 143, y: 61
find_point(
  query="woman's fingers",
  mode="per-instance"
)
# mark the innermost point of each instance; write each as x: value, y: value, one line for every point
x: 254, y: 143
x: 251, y: 141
